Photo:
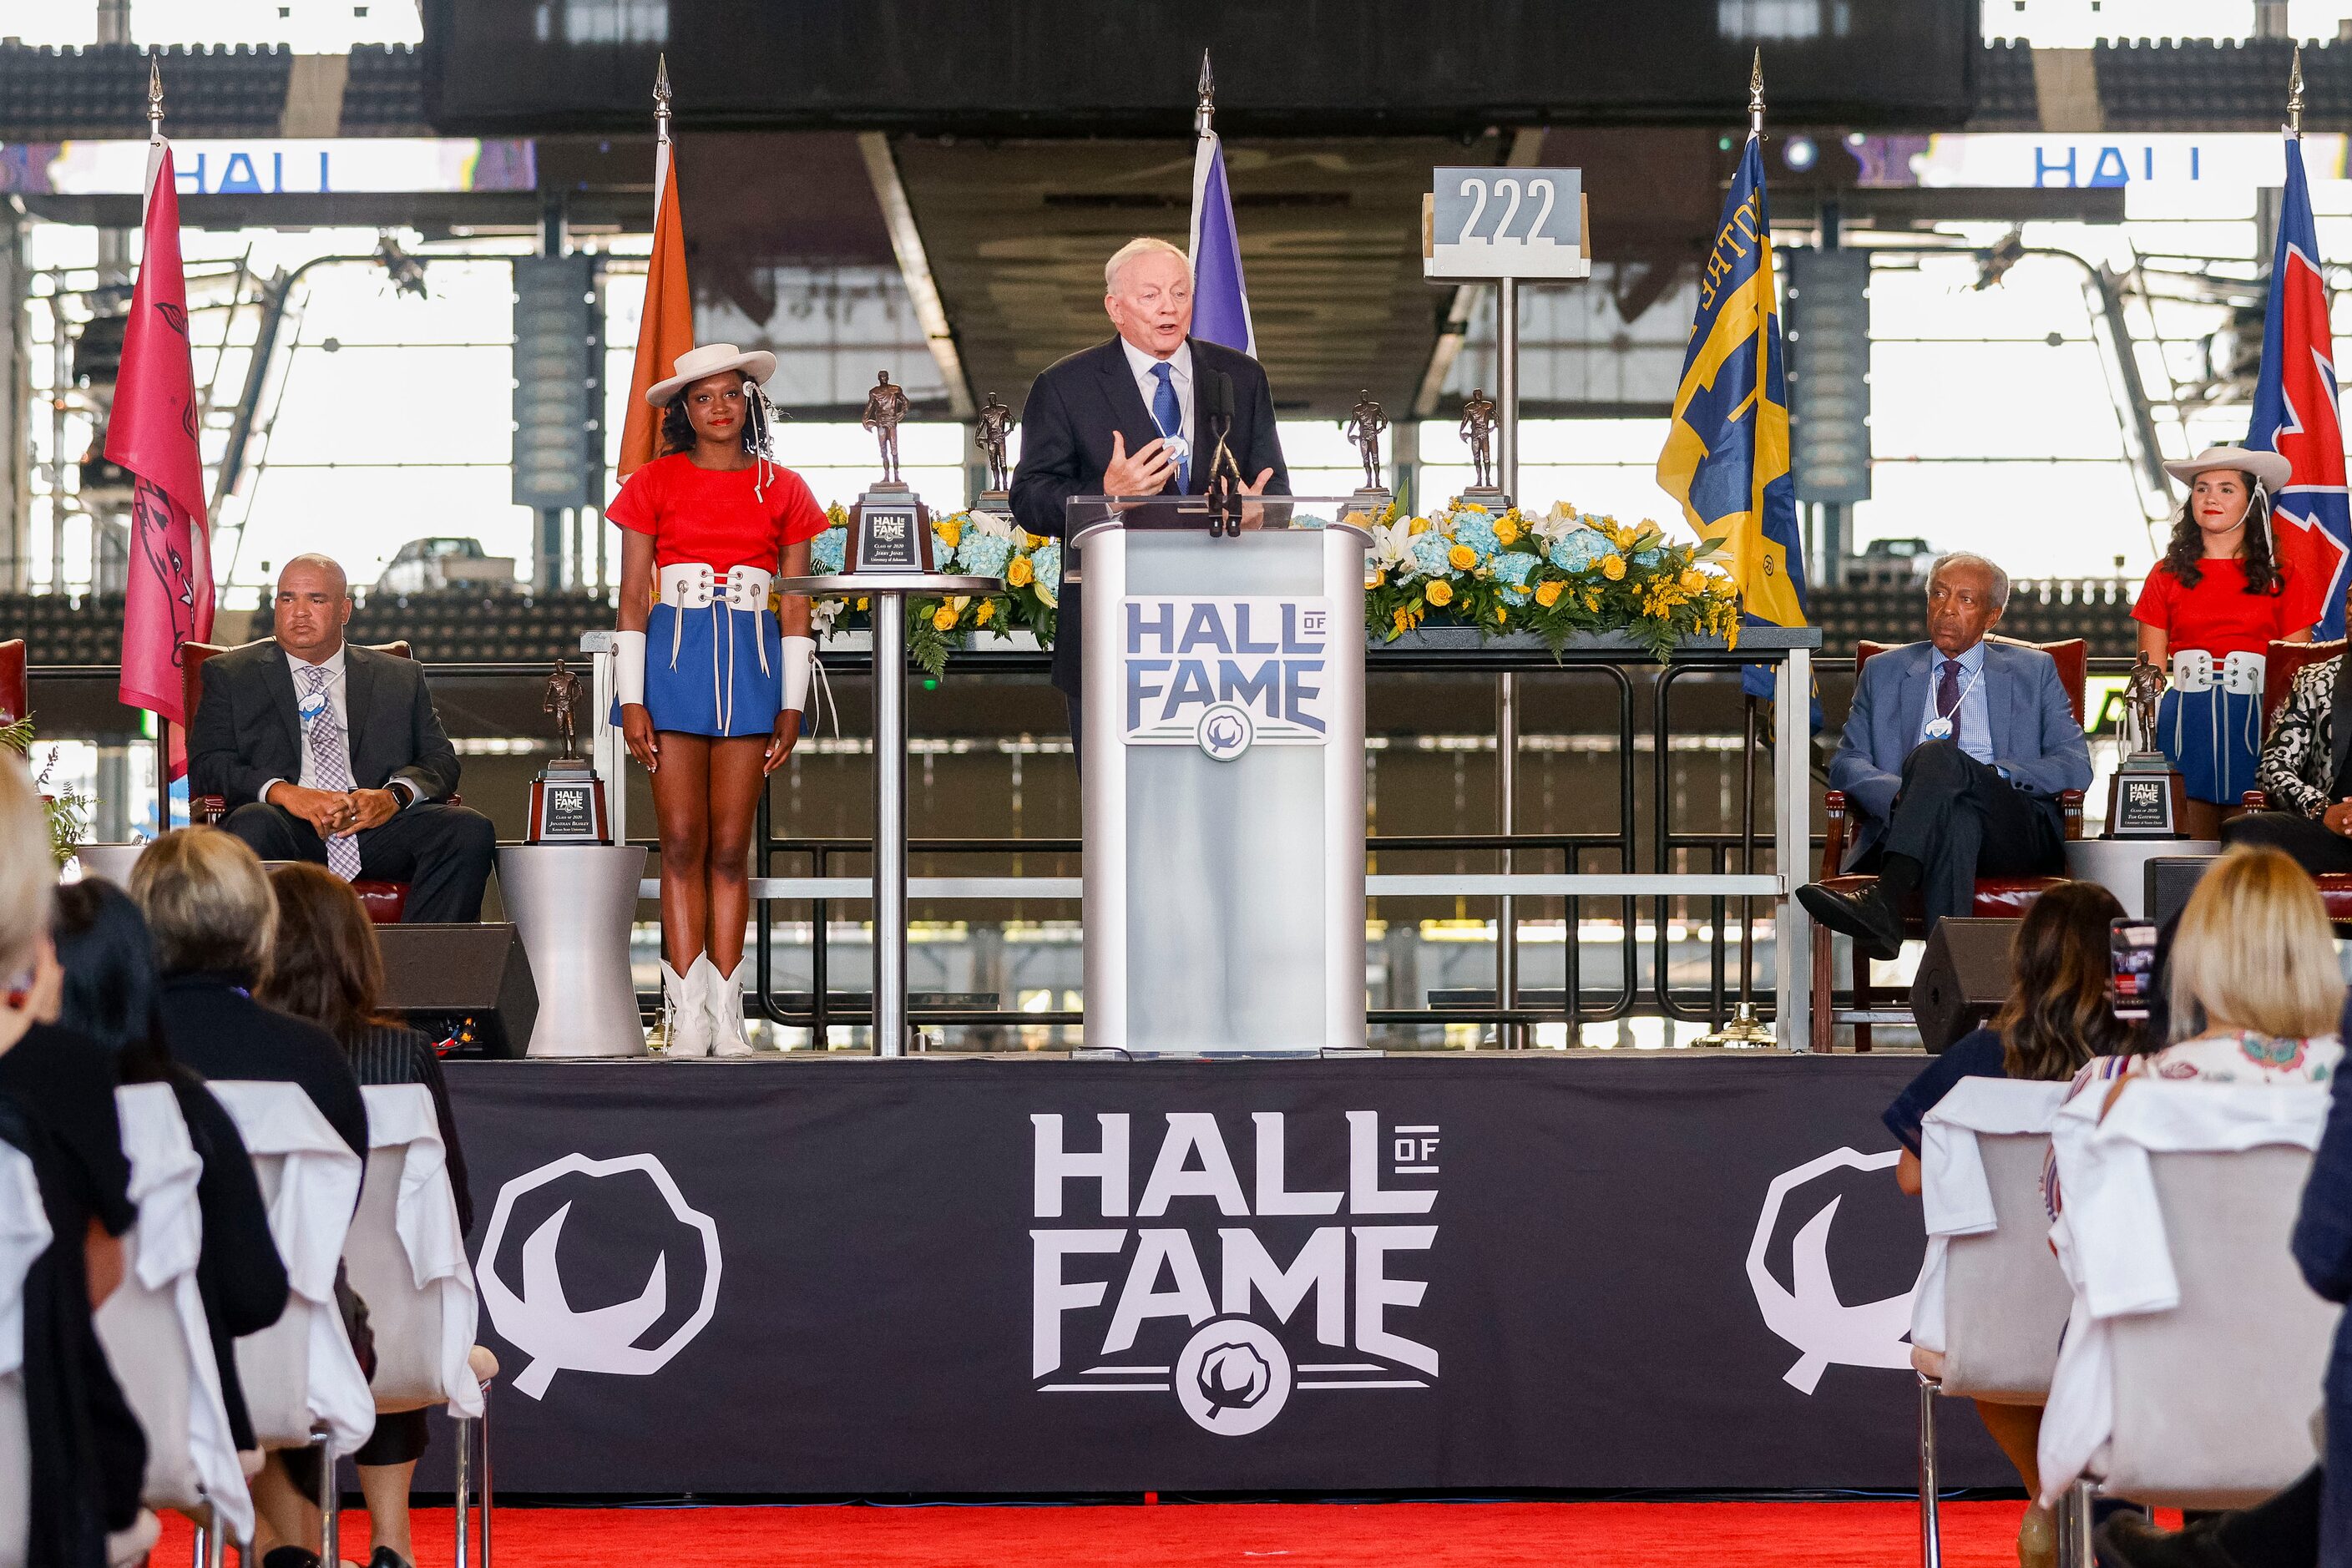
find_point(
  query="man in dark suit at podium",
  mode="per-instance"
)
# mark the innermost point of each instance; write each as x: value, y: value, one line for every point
x: 1138, y: 415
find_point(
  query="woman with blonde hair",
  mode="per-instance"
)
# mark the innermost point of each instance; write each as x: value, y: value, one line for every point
x: 2256, y: 990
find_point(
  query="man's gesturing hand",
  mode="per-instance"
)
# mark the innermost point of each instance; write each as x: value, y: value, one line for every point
x: 1141, y: 475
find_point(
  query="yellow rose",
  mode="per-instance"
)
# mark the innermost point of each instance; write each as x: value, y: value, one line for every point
x: 1420, y: 525
x: 1547, y: 595
x: 950, y: 531
x: 861, y: 603
x: 1019, y: 572
x: 1506, y: 531
x: 987, y: 608
x: 944, y: 618
x: 1474, y: 506
x: 1441, y: 593
x: 1692, y: 580
x: 1613, y: 567
x: 1462, y: 558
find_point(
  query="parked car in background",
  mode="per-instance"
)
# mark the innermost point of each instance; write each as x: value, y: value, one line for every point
x: 428, y: 565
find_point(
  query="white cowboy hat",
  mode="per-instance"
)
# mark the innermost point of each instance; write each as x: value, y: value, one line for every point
x: 710, y: 360
x: 2270, y: 471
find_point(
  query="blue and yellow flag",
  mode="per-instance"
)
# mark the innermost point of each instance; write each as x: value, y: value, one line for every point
x: 1727, y: 453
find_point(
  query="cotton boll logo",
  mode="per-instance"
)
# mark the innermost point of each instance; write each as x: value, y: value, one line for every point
x: 1806, y: 1312
x: 541, y: 1322
x: 1233, y: 1377
x: 1225, y: 731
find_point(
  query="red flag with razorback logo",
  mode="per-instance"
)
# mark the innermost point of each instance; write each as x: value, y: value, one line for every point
x: 153, y: 433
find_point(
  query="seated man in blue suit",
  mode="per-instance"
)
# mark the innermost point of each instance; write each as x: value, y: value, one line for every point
x: 1955, y: 753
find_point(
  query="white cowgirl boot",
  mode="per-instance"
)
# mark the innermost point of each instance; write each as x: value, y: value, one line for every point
x: 722, y: 995
x: 686, y: 1023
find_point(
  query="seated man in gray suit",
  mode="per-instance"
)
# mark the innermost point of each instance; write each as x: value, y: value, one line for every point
x: 1955, y: 753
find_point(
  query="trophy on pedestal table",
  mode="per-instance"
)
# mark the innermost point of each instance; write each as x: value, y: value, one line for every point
x: 889, y: 528
x: 2147, y: 798
x: 994, y: 425
x: 1477, y: 429
x: 1365, y: 423
x: 567, y: 798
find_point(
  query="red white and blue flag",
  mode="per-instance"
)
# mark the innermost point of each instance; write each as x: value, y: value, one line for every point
x: 2295, y: 409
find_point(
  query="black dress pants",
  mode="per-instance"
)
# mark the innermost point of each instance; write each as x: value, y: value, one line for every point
x: 442, y: 852
x: 2314, y: 849
x: 1959, y: 819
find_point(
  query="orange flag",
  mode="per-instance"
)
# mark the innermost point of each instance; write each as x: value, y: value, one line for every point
x: 666, y: 329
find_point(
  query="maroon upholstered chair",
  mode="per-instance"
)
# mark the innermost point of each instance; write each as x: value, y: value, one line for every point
x: 2285, y: 661
x: 1996, y: 898
x: 16, y: 701
x: 385, y: 901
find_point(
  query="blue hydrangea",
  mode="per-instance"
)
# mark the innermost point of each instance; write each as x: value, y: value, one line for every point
x: 827, y: 551
x: 1477, y: 532
x: 1512, y: 567
x: 1649, y: 557
x: 1428, y: 551
x: 983, y: 554
x: 1046, y: 561
x: 1580, y: 548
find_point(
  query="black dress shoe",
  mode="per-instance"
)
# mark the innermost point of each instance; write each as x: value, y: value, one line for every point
x: 386, y: 1557
x: 290, y: 1557
x: 2132, y: 1541
x: 1865, y: 916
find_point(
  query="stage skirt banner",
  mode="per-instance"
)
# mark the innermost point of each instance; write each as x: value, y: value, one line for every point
x: 1033, y: 1278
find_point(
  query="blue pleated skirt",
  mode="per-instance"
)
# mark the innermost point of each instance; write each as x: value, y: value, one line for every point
x: 713, y: 671
x: 2214, y: 738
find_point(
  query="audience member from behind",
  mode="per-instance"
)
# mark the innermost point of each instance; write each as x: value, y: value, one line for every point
x: 2056, y: 1018
x: 111, y: 997
x: 2255, y: 987
x: 87, y: 1455
x: 326, y: 968
x: 208, y: 902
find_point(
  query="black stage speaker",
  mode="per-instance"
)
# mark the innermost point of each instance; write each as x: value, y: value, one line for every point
x: 470, y: 984
x: 2170, y: 880
x: 1963, y: 978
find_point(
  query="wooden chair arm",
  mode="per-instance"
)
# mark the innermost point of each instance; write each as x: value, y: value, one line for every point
x: 1833, y: 836
x: 206, y: 810
x: 2070, y: 805
x: 2256, y: 800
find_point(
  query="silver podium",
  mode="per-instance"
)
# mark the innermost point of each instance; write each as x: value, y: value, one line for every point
x: 1223, y: 774
x: 572, y: 904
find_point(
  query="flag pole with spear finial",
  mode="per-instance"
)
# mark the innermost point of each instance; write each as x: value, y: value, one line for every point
x: 2295, y: 96
x: 1743, y: 1029
x: 1204, y: 110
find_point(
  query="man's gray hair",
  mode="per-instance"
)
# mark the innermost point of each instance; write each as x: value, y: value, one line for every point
x: 1969, y: 558
x: 1142, y: 245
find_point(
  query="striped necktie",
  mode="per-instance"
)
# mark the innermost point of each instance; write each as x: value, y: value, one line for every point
x: 331, y: 760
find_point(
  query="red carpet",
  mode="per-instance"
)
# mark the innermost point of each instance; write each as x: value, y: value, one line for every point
x: 1428, y: 1535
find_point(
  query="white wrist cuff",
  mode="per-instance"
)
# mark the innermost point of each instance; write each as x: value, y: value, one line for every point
x: 800, y: 653
x: 629, y: 667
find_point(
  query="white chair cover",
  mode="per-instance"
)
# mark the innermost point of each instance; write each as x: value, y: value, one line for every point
x: 24, y: 1237
x: 154, y: 1326
x: 406, y: 1257
x: 2116, y: 1238
x: 1991, y: 1297
x: 300, y: 1371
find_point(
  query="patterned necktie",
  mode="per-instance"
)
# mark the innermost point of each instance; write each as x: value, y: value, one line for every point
x: 1948, y: 697
x: 1170, y: 419
x: 330, y: 758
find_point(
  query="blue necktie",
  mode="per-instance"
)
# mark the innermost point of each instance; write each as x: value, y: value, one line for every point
x: 1170, y: 419
x: 1949, y: 694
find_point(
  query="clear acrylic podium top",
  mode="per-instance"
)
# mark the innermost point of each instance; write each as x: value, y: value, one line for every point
x: 1083, y: 514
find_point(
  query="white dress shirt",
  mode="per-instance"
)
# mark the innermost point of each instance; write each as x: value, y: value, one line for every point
x: 1180, y: 368
x: 338, y: 705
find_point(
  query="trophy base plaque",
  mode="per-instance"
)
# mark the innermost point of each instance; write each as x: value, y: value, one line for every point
x: 890, y: 530
x: 2147, y: 798
x: 1370, y: 503
x: 1487, y: 496
x: 567, y: 804
x: 994, y: 501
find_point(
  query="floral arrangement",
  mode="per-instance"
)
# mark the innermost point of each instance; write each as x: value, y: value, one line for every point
x: 972, y: 545
x: 68, y: 813
x: 1559, y: 575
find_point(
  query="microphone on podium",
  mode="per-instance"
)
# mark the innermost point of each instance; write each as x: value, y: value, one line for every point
x: 1224, y: 473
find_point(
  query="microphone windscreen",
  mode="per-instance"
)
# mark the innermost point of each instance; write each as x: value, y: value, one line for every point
x: 1221, y: 394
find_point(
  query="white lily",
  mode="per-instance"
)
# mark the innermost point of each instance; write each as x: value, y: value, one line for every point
x: 1392, y: 545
